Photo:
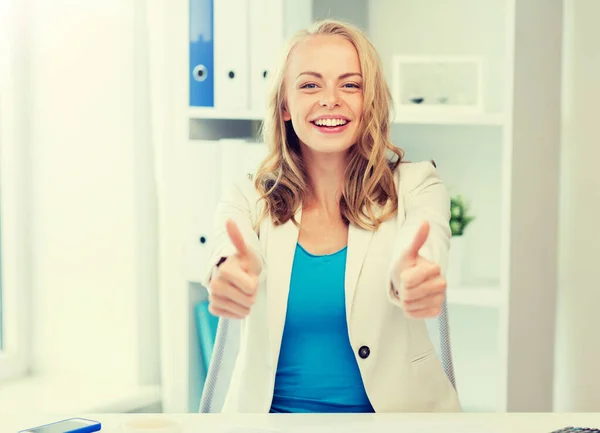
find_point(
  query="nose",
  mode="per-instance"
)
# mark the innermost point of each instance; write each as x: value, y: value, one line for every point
x: 330, y: 99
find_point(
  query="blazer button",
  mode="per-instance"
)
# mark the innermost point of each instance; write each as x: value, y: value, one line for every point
x: 364, y: 352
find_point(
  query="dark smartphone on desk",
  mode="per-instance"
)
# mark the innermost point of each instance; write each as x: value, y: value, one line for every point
x: 71, y: 425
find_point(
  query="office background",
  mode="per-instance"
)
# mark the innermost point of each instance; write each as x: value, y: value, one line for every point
x: 110, y: 169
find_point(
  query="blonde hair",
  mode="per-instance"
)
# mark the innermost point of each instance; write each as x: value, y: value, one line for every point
x: 369, y: 194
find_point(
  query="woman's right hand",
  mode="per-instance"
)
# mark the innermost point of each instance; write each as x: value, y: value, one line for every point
x: 234, y: 284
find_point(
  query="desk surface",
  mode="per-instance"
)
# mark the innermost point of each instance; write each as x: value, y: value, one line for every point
x: 380, y: 423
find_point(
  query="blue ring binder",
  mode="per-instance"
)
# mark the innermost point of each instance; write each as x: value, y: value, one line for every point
x: 201, y: 54
x: 200, y: 73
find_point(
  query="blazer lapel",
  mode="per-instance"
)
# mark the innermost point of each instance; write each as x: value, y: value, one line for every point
x: 280, y: 252
x: 358, y: 243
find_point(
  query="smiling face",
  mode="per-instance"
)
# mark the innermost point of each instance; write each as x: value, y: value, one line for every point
x: 323, y: 92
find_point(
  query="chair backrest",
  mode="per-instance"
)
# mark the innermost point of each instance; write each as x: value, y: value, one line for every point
x: 444, y: 343
x: 227, y: 343
x: 220, y: 369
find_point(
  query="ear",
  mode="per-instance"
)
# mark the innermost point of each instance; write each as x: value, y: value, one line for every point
x: 286, y: 115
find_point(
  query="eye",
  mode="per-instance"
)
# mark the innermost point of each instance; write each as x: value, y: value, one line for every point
x: 308, y: 86
x: 352, y: 86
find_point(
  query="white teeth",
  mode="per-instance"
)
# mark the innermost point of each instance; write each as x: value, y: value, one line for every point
x: 330, y: 122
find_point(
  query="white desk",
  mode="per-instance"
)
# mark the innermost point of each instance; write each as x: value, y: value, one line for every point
x: 382, y: 423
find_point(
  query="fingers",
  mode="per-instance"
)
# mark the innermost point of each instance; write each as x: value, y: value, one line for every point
x: 427, y: 307
x: 222, y: 307
x: 249, y: 261
x: 231, y: 272
x: 224, y: 289
x: 236, y: 238
x: 424, y: 271
x: 418, y: 241
x: 430, y: 287
x: 431, y: 301
x: 422, y: 290
x: 427, y: 313
x: 228, y: 301
x: 232, y: 290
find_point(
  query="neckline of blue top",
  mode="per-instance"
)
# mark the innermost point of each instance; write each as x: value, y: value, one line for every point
x: 321, y: 255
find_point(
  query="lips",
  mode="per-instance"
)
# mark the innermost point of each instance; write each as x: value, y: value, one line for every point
x: 330, y: 126
x: 330, y: 122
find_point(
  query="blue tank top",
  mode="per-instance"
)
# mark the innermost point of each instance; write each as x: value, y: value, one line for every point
x: 317, y: 369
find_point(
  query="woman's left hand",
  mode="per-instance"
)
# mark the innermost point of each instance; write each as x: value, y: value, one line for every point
x: 417, y: 282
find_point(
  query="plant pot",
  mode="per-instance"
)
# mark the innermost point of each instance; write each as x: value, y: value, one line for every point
x: 455, y: 262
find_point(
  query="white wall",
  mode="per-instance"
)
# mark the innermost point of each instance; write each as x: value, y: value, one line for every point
x: 530, y: 257
x: 86, y: 208
x: 14, y: 190
x: 578, y: 339
x: 434, y: 27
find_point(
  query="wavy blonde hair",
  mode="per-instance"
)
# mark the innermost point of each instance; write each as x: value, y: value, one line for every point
x: 369, y: 194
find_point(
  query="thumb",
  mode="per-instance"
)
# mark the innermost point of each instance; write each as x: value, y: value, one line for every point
x: 236, y: 238
x: 418, y: 241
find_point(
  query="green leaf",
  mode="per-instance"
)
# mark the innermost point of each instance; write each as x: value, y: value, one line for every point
x: 456, y: 211
x: 459, y: 216
x: 456, y: 228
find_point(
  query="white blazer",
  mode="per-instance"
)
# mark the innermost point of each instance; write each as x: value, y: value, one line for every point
x: 402, y: 372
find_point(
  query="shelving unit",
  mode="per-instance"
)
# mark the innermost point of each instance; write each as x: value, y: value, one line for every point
x: 496, y: 159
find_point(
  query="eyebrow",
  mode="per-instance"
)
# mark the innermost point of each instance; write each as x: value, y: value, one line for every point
x: 341, y: 77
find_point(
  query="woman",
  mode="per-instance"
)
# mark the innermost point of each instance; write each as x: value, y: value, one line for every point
x: 335, y: 253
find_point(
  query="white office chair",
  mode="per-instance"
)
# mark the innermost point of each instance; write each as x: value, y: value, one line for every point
x: 226, y: 347
x: 220, y: 369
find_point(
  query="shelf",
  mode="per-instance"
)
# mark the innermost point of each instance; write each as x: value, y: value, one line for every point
x: 216, y: 113
x: 467, y: 119
x: 477, y: 296
x: 412, y: 118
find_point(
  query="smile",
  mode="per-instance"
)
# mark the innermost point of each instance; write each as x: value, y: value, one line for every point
x: 330, y: 122
x: 330, y: 126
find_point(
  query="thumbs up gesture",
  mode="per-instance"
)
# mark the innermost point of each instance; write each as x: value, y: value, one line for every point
x: 234, y: 285
x: 417, y: 282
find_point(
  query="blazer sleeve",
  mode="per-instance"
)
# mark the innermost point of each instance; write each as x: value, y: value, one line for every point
x: 239, y: 204
x: 422, y: 197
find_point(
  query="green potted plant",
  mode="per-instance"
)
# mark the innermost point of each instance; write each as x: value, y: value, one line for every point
x: 459, y: 215
x: 460, y: 218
